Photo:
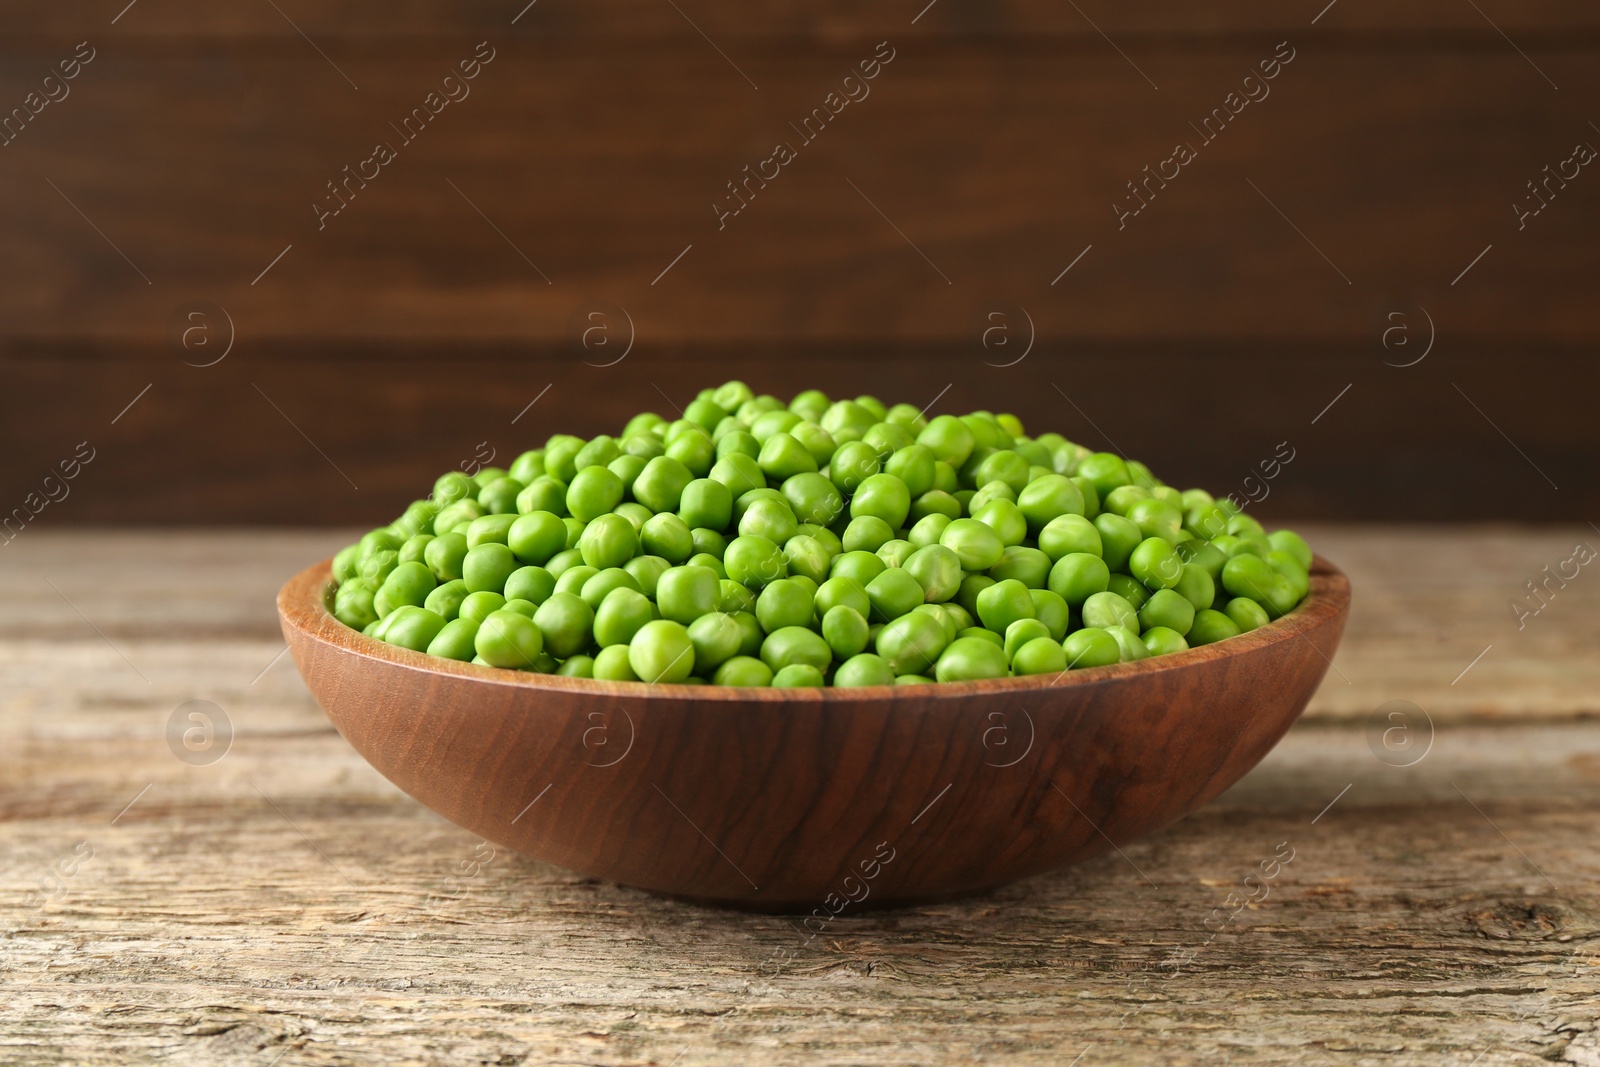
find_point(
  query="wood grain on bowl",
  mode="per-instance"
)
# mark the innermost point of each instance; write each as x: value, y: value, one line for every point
x: 803, y: 799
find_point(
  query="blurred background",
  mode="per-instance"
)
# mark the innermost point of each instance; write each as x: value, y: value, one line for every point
x: 1377, y: 253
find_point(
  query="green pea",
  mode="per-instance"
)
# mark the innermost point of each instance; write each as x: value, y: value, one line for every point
x: 628, y: 468
x: 928, y: 529
x: 544, y: 493
x: 795, y: 644
x: 408, y: 583
x: 1005, y: 519
x: 783, y: 457
x: 1245, y: 613
x: 576, y: 667
x: 1118, y: 539
x: 863, y: 669
x: 1162, y: 641
x: 1052, y: 610
x: 817, y: 441
x: 743, y: 671
x: 1195, y: 586
x: 695, y: 451
x: 937, y: 570
x: 661, y: 484
x: 488, y: 529
x: 784, y: 602
x: 975, y: 544
x: 716, y: 638
x: 564, y: 561
x: 1042, y: 655
x: 911, y: 644
x: 860, y: 567
x: 772, y: 519
x: 1251, y: 576
x: 1020, y: 632
x: 566, y: 622
x: 1004, y: 603
x: 1027, y: 565
x: 853, y: 463
x: 451, y: 487
x: 487, y: 567
x: 949, y: 438
x: 913, y: 464
x: 455, y: 640
x: 1157, y: 518
x: 846, y: 631
x: 1077, y: 576
x: 1289, y: 568
x: 446, y: 598
x: 988, y: 494
x: 895, y: 552
x: 1209, y: 627
x: 706, y: 502
x: 1292, y: 543
x: 1129, y: 589
x: 1105, y: 471
x: 414, y: 549
x: 841, y: 590
x: 573, y: 579
x: 1048, y: 498
x: 574, y: 532
x: 866, y: 533
x: 1123, y: 497
x: 412, y: 627
x: 884, y: 496
x: 770, y: 423
x: 647, y: 571
x: 824, y: 537
x: 685, y: 593
x: 886, y: 439
x: 1154, y: 563
x: 352, y: 604
x: 946, y: 619
x: 662, y: 652
x: 736, y: 471
x: 456, y: 516
x: 798, y: 676
x: 1107, y: 609
x: 1168, y: 608
x: 1090, y: 647
x: 893, y: 593
x: 1069, y: 533
x: 754, y: 560
x: 1129, y: 645
x: 521, y: 607
x: 537, y: 536
x: 478, y: 606
x: 734, y: 597
x: 533, y: 584
x: 506, y: 639
x: 751, y: 633
x: 806, y: 556
x: 611, y: 665
x: 500, y: 495
x: 971, y: 586
x: 968, y: 659
x: 376, y: 567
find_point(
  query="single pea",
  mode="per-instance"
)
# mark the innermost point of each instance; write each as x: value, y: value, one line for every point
x: 628, y: 468
x: 455, y: 517
x: 577, y: 667
x: 610, y: 541
x: 863, y: 669
x: 573, y: 579
x: 451, y: 487
x: 737, y: 472
x: 522, y: 607
x: 798, y: 676
x: 1003, y: 465
x: 1106, y: 609
x: 911, y: 644
x: 1042, y: 655
x: 620, y: 616
x: 934, y: 503
x: 817, y: 441
x: 975, y: 544
x: 893, y: 593
x: 611, y: 664
x: 1069, y: 533
x: 949, y: 438
x: 662, y: 652
x: 783, y: 457
x: 1250, y: 576
x: 704, y: 539
x: 937, y: 570
x: 852, y: 464
x: 1129, y: 589
x: 695, y: 450
x: 945, y: 619
x: 647, y: 571
x: 383, y: 539
x: 564, y: 561
x: 664, y: 535
x: 1027, y: 565
x: 1168, y: 608
x: 1245, y: 613
x: 860, y: 567
x: 455, y: 640
x: 982, y: 634
x: 1162, y: 641
x: 1052, y: 610
x: 1077, y: 576
x: 478, y: 606
x: 734, y: 597
x: 537, y: 536
x: 754, y: 560
x: 1004, y: 603
x: 661, y: 484
x: 913, y: 464
x: 887, y: 438
x: 928, y: 529
x: 561, y: 456
x: 685, y: 593
x: 1090, y: 647
x: 968, y: 659
x: 846, y: 631
x: 784, y: 602
x: 487, y: 567
x: 1196, y: 586
x: 1021, y: 632
x: 895, y: 552
x: 795, y: 644
x: 772, y: 519
x: 1292, y: 543
x: 716, y: 638
x: 413, y: 551
x: 840, y: 590
x: 1048, y: 498
x: 352, y: 604
x: 866, y: 533
x: 506, y: 639
x: 1123, y: 497
x: 1118, y: 539
x: 408, y: 583
x: 534, y: 584
x: 1157, y: 518
x: 971, y: 586
x: 805, y: 555
x: 988, y: 493
x: 744, y: 501
x: 1209, y: 627
x: 769, y: 424
x: 884, y: 496
x: 593, y: 492
x: 1129, y: 645
x: 705, y: 502
x: 347, y: 563
x: 376, y: 567
x: 751, y: 633
x: 743, y: 671
x: 912, y: 679
x: 499, y: 496
x: 412, y: 627
x: 1105, y: 471
x: 825, y: 537
x: 544, y: 493
x: 574, y: 532
x: 1005, y: 519
x: 1289, y: 568
x: 446, y: 598
x: 567, y: 624
x: 1154, y: 563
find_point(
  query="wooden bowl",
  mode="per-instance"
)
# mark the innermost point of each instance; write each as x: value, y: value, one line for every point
x: 816, y: 800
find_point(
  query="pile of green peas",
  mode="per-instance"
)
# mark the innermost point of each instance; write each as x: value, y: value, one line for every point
x: 844, y: 543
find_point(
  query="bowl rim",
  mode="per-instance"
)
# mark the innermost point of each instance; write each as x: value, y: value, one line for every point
x: 302, y: 608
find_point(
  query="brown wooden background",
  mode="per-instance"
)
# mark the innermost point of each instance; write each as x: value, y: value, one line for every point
x: 414, y: 327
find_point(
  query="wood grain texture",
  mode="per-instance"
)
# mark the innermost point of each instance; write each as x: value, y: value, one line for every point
x: 285, y: 905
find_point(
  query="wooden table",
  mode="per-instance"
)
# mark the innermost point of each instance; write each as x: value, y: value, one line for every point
x: 285, y: 905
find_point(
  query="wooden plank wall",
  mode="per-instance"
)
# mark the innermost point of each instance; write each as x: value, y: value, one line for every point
x: 1366, y: 193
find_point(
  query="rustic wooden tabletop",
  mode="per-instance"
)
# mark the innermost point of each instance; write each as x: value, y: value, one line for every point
x: 268, y: 899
